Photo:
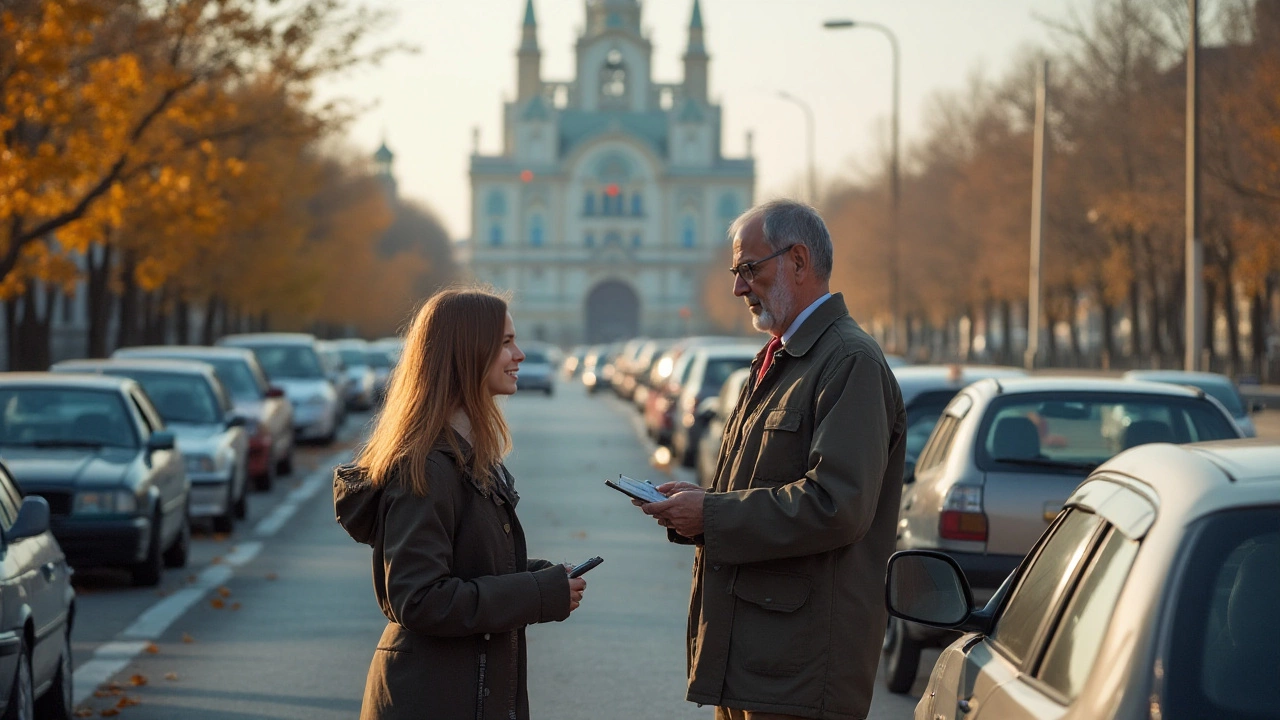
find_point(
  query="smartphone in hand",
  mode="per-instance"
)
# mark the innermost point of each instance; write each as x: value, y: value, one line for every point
x: 585, y: 566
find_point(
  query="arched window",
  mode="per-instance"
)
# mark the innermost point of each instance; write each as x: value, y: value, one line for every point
x: 589, y: 203
x: 613, y: 80
x: 495, y: 234
x: 535, y: 231
x: 637, y: 205
x: 688, y: 232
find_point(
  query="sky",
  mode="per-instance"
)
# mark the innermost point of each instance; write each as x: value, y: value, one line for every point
x: 426, y: 104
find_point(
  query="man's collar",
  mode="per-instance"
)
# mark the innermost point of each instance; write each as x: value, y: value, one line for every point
x: 804, y: 315
x: 827, y: 312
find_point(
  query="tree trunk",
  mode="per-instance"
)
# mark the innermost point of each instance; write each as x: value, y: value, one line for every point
x: 1006, y: 330
x: 1108, y: 332
x: 1233, y: 322
x: 1258, y: 332
x: 98, y: 299
x: 127, y: 329
x: 182, y: 323
x: 1136, y: 346
x: 208, y: 326
x: 10, y: 331
x: 1210, y: 316
x: 31, y: 349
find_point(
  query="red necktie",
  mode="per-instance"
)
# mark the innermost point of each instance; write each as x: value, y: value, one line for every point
x: 774, y: 343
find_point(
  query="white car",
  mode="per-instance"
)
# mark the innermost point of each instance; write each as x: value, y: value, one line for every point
x: 1152, y: 595
x: 292, y: 363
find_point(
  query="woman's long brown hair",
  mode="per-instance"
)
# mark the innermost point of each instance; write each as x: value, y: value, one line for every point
x: 453, y: 340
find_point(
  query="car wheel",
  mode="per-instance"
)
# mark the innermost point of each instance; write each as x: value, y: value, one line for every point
x: 147, y: 573
x: 285, y: 466
x: 901, y: 657
x: 550, y: 391
x: 242, y: 502
x: 22, y: 697
x: 176, y: 555
x: 57, y: 703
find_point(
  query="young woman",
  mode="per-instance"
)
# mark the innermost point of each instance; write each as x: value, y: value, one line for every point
x: 429, y: 492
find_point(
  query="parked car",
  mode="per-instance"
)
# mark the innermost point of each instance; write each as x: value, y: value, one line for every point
x: 666, y: 376
x: 1152, y: 595
x: 382, y: 360
x: 37, y: 605
x: 572, y: 364
x: 335, y: 370
x: 720, y: 408
x: 197, y: 409
x: 622, y: 363
x: 643, y: 367
x: 95, y: 448
x: 1219, y: 386
x: 596, y: 373
x: 538, y: 371
x: 268, y: 414
x: 360, y: 389
x: 391, y: 346
x: 1003, y: 459
x: 711, y: 366
x: 926, y: 390
x: 292, y: 363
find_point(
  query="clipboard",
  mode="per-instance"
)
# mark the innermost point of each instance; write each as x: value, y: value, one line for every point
x: 642, y: 491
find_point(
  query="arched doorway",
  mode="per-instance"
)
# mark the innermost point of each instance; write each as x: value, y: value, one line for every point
x: 613, y: 312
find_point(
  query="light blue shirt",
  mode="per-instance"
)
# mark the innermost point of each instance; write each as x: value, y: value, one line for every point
x: 804, y: 315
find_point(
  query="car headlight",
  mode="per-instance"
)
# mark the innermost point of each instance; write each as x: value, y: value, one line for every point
x: 105, y: 502
x: 200, y: 463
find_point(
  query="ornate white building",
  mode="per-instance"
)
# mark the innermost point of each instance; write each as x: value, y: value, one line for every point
x: 611, y: 193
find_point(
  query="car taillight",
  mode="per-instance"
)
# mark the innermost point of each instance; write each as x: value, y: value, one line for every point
x: 962, y: 517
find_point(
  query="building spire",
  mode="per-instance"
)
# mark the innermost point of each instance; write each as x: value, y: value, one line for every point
x: 529, y: 71
x: 529, y: 20
x: 696, y: 21
x: 696, y: 58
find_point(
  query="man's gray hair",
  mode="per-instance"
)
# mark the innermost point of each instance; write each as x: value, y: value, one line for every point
x: 787, y: 222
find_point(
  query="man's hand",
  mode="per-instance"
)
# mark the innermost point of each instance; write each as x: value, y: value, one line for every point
x: 681, y: 511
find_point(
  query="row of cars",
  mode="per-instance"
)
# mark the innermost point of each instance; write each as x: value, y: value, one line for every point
x: 108, y: 462
x: 996, y: 462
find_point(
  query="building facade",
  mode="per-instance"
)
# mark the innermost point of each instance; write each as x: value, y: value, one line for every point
x: 611, y: 193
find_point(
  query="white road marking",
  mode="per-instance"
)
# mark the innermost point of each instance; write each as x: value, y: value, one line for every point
x: 112, y: 657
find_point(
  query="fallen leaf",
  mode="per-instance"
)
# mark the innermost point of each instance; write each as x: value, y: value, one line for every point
x: 218, y: 603
x: 83, y: 712
x: 109, y: 712
x: 138, y: 680
x: 153, y: 648
x: 187, y: 638
x: 580, y: 535
x: 216, y: 561
x: 171, y: 676
x: 235, y: 606
x: 127, y: 702
x: 219, y: 537
x: 224, y: 592
x: 272, y: 576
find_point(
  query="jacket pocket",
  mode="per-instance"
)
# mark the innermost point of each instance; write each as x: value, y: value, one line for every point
x: 774, y: 632
x: 783, y: 419
x: 395, y: 639
x: 784, y: 449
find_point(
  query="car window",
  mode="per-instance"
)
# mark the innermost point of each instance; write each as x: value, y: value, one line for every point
x: 1220, y: 658
x: 379, y: 359
x: 238, y: 378
x: 1042, y: 583
x: 10, y: 501
x: 179, y: 398
x: 353, y: 356
x: 1076, y: 640
x: 289, y: 361
x: 64, y: 417
x: 535, y: 356
x: 718, y: 370
x: 142, y: 413
x: 1056, y: 432
x: 922, y: 417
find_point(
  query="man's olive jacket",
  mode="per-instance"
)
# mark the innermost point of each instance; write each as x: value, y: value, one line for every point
x: 787, y: 613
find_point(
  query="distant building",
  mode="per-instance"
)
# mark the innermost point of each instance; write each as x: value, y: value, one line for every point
x: 611, y: 192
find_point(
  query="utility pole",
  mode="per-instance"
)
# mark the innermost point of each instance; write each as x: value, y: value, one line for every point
x: 1194, y: 320
x: 1037, y: 217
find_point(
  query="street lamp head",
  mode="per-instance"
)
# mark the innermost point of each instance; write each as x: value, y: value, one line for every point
x: 839, y: 24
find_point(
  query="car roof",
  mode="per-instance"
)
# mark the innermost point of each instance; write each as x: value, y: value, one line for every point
x: 161, y: 352
x: 1051, y: 383
x: 246, y: 339
x: 1198, y: 479
x: 715, y: 352
x: 357, y: 343
x: 1177, y: 376
x: 177, y: 367
x: 86, y: 381
x: 915, y: 379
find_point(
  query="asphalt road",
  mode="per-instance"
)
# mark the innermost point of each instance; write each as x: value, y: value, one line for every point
x: 278, y: 619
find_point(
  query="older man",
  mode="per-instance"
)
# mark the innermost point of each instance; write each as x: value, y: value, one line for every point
x: 787, y: 612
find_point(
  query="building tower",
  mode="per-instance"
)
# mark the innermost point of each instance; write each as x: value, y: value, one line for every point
x: 696, y: 58
x: 383, y: 159
x: 529, y: 58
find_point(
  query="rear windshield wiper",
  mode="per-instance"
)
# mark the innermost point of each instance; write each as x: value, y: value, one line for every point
x: 1047, y: 463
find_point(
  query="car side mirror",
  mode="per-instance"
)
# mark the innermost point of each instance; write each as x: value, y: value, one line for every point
x: 927, y: 587
x: 235, y: 421
x: 161, y: 440
x: 33, y: 519
x: 909, y: 472
x: 275, y: 392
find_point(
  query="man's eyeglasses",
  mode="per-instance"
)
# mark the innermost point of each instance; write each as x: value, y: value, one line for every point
x: 747, y: 270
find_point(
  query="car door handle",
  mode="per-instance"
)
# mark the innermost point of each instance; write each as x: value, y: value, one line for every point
x: 49, y: 570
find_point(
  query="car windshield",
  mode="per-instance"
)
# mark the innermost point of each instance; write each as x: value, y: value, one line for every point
x: 922, y: 416
x: 298, y: 362
x: 378, y: 359
x: 1221, y: 660
x: 1224, y: 393
x: 237, y: 377
x: 535, y: 356
x: 719, y: 369
x: 64, y: 417
x: 353, y: 357
x: 1078, y: 431
x: 179, y: 398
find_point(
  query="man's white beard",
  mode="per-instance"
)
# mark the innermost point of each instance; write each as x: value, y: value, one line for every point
x: 773, y: 309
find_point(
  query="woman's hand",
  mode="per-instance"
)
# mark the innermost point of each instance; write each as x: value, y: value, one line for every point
x: 577, y: 586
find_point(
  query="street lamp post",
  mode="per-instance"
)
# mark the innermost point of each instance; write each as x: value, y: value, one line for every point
x: 1194, y: 327
x: 808, y: 115
x: 895, y: 184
